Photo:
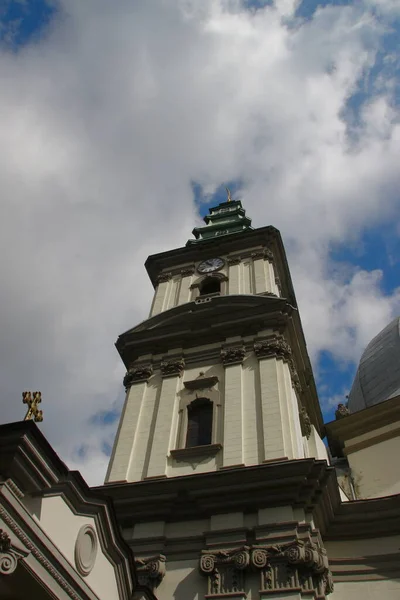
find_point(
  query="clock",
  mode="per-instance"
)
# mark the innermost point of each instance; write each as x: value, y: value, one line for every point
x: 210, y: 265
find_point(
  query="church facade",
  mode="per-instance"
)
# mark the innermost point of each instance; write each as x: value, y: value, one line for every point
x: 219, y: 485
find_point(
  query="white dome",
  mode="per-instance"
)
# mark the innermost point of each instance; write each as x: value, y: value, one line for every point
x: 378, y: 374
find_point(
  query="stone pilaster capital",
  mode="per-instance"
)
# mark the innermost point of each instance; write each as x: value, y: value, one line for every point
x: 151, y: 570
x: 162, y: 277
x: 276, y: 346
x: 233, y: 355
x: 137, y: 374
x: 171, y: 367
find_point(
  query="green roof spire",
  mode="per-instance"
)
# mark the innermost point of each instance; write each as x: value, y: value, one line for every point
x: 225, y: 219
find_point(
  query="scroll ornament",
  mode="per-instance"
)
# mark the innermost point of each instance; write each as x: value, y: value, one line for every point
x: 137, y: 374
x: 300, y: 564
x: 9, y: 556
x: 151, y: 571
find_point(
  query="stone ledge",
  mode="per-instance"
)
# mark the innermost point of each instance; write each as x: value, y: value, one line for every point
x: 183, y: 454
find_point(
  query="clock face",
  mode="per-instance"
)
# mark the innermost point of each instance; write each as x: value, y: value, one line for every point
x: 210, y: 265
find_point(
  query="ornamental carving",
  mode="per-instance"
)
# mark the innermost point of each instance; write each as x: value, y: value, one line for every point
x: 151, y: 570
x: 295, y: 377
x: 276, y: 346
x: 269, y: 255
x: 172, y: 367
x: 164, y: 277
x: 187, y: 271
x: 233, y: 260
x: 265, y: 253
x: 305, y: 422
x: 299, y: 565
x: 341, y: 411
x: 9, y: 556
x: 225, y: 569
x: 233, y: 356
x: 137, y: 374
x: 5, y: 542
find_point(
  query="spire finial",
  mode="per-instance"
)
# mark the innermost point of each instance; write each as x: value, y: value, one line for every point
x: 228, y: 191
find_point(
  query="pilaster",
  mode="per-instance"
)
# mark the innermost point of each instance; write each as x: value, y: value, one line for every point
x: 124, y: 441
x: 167, y: 417
x: 160, y: 294
x: 232, y: 359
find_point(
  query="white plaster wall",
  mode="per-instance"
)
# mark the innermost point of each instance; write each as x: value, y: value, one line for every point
x: 316, y: 447
x: 376, y: 470
x: 367, y: 590
x: 62, y: 526
x: 252, y: 423
x: 120, y: 461
x: 182, y: 581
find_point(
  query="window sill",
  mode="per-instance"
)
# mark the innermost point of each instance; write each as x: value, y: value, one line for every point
x: 196, y: 452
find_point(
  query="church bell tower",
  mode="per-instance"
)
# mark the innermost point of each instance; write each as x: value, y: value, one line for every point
x: 219, y: 443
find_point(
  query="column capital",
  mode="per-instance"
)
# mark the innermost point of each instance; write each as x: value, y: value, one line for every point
x: 233, y: 355
x: 137, y: 374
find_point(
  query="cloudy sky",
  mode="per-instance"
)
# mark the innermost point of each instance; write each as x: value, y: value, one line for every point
x: 121, y: 120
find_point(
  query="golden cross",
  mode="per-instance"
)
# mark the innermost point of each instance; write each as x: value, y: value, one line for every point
x: 228, y: 191
x: 32, y: 401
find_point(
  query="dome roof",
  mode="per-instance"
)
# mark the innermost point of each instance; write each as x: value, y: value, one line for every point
x: 378, y: 374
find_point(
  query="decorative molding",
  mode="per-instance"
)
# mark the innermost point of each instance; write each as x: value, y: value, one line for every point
x: 201, y: 383
x: 163, y: 277
x: 233, y: 260
x: 194, y: 452
x: 169, y: 368
x: 295, y: 377
x: 233, y: 356
x: 151, y: 571
x: 86, y: 540
x: 225, y: 570
x: 5, y: 541
x: 341, y: 411
x: 299, y: 565
x: 269, y: 255
x: 305, y: 422
x: 9, y: 556
x: 271, y: 294
x: 187, y: 271
x: 276, y: 346
x: 137, y: 374
x: 38, y: 555
x: 14, y: 488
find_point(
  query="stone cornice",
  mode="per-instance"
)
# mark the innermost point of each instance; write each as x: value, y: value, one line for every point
x: 201, y: 383
x: 296, y: 483
x: 360, y: 423
x: 194, y: 452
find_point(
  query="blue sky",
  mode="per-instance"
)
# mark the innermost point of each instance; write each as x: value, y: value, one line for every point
x: 75, y: 86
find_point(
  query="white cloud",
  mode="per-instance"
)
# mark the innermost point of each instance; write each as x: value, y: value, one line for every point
x: 105, y: 124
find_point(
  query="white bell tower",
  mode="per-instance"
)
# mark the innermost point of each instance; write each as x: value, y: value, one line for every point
x: 218, y: 376
x: 218, y: 460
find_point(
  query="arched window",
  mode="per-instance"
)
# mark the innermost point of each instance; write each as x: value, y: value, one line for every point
x: 200, y: 416
x: 210, y: 285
